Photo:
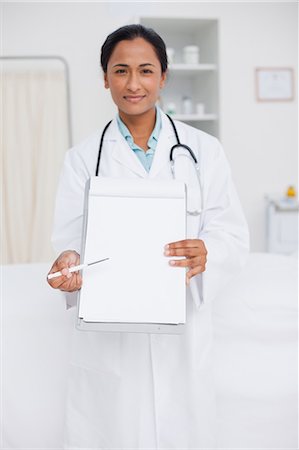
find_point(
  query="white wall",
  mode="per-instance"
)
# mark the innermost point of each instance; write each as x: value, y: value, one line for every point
x: 260, y: 139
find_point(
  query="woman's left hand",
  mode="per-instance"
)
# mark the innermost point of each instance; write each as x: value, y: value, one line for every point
x: 195, y: 252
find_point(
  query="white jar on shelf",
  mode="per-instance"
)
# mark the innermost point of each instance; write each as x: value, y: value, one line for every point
x: 200, y: 109
x: 187, y: 105
x: 191, y: 54
x: 170, y: 108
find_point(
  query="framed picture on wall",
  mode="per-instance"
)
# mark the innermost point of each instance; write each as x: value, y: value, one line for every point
x: 274, y: 84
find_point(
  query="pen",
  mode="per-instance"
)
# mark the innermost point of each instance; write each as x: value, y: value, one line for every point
x: 74, y: 269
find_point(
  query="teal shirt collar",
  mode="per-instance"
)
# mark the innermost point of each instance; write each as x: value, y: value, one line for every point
x: 153, y: 139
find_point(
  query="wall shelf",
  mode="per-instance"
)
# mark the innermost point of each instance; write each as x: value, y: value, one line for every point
x: 194, y: 117
x: 199, y: 81
x: 192, y: 67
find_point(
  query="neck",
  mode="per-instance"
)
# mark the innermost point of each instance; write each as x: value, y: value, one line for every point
x: 141, y: 125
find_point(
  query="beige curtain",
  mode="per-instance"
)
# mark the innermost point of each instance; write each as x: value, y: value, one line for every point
x: 34, y: 140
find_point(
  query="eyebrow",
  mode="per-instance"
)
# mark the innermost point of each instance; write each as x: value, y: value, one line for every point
x: 127, y: 65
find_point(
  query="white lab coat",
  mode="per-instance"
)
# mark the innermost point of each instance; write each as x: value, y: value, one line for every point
x: 137, y: 391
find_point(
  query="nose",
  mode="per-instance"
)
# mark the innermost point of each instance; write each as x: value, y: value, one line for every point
x: 133, y: 83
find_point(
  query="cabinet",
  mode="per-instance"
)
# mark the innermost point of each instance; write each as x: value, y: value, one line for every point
x: 281, y: 225
x: 199, y: 82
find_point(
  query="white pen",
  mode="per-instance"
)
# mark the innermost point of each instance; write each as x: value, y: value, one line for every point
x: 74, y: 269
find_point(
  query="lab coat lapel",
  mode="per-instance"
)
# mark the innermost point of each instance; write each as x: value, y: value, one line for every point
x: 122, y: 152
x: 165, y: 142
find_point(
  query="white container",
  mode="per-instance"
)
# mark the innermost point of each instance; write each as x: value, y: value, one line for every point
x: 170, y: 108
x: 170, y: 54
x: 187, y: 105
x: 191, y: 54
x: 200, y: 109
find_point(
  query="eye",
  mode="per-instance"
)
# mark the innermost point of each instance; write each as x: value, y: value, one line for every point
x: 121, y: 71
x: 147, y: 71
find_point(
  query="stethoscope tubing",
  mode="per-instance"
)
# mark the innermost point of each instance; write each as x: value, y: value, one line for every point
x: 171, y: 159
x: 100, y: 148
x: 175, y: 146
x: 179, y: 144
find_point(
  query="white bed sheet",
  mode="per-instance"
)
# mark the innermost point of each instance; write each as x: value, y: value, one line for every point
x: 255, y: 355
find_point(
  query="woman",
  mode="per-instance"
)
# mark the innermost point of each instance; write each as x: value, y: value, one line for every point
x: 137, y: 391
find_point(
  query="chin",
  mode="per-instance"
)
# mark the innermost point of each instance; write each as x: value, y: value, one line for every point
x: 135, y: 110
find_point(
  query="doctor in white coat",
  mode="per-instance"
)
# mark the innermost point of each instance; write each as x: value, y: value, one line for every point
x: 148, y: 391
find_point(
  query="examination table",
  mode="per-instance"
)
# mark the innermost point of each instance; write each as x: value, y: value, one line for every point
x: 255, y: 355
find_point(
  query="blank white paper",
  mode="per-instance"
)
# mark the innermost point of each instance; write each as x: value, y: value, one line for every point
x: 130, y: 222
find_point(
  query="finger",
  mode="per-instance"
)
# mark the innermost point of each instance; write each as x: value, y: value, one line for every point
x: 193, y: 262
x: 70, y: 274
x: 73, y: 284
x: 183, y: 244
x: 65, y: 260
x: 76, y: 272
x: 195, y: 271
x: 189, y: 252
x: 187, y: 280
x: 57, y: 282
x: 54, y: 268
x: 65, y: 272
x: 69, y: 287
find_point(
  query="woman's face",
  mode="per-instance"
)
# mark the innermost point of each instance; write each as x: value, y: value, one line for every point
x: 134, y: 76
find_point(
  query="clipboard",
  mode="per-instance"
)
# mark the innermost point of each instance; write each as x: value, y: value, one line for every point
x: 130, y: 221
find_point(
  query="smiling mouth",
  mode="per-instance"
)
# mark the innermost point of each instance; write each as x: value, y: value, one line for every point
x: 134, y: 99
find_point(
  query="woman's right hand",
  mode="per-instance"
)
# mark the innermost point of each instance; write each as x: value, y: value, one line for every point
x: 68, y: 281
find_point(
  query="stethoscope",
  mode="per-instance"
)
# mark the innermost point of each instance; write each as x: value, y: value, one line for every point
x: 171, y: 159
